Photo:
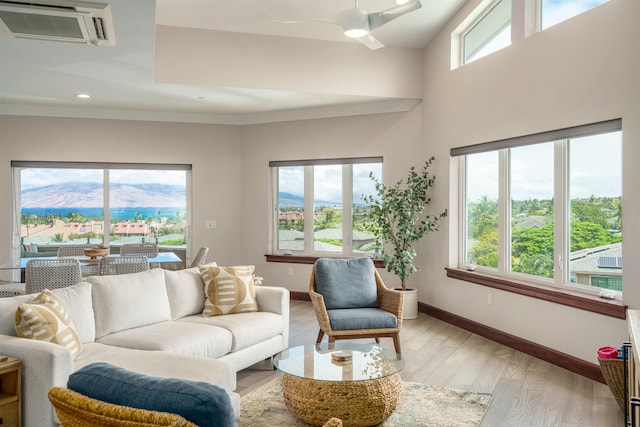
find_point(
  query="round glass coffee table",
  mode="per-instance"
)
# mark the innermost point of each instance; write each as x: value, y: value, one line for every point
x: 360, y: 384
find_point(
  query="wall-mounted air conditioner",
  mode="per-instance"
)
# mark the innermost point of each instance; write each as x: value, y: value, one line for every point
x: 58, y: 20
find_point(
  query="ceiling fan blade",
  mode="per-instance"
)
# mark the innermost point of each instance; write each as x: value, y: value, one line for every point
x: 370, y: 42
x: 378, y: 19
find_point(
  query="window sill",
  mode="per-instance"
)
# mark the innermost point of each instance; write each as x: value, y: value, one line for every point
x: 298, y: 259
x: 606, y: 307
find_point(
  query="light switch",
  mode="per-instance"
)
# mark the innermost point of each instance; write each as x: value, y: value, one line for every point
x: 210, y: 224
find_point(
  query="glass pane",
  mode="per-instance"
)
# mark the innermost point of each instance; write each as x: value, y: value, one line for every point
x: 595, y: 197
x: 291, y: 208
x: 60, y: 207
x: 491, y: 33
x: 532, y: 228
x: 555, y: 11
x: 364, y: 237
x: 327, y: 208
x: 481, y: 209
x: 148, y: 206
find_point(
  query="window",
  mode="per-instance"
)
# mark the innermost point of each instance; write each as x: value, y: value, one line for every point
x: 546, y: 208
x: 488, y: 34
x: 489, y: 27
x: 319, y: 209
x: 104, y: 204
x: 553, y: 12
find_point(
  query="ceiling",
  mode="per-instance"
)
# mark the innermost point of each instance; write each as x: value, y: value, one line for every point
x: 42, y: 77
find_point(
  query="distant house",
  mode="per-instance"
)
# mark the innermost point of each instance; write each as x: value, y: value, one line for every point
x: 600, y: 267
x: 130, y: 228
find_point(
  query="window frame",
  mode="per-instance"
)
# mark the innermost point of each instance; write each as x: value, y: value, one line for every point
x: 561, y: 139
x: 308, y: 254
x: 17, y: 166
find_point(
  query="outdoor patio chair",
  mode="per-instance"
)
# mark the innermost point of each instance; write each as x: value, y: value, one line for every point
x: 73, y: 250
x: 112, y: 265
x: 51, y: 273
x: 201, y: 257
x: 351, y: 301
x: 149, y: 250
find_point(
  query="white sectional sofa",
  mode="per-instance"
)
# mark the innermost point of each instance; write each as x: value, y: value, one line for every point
x: 149, y: 323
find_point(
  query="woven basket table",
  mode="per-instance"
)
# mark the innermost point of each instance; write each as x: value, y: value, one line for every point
x: 613, y: 373
x: 356, y: 403
x: 360, y: 385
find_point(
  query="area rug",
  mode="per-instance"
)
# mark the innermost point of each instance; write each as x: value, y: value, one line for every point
x: 421, y: 405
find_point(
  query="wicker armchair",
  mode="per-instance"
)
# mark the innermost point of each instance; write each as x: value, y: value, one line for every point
x: 41, y: 274
x: 112, y: 265
x: 388, y: 300
x: 150, y: 250
x: 201, y: 257
x: 77, y: 410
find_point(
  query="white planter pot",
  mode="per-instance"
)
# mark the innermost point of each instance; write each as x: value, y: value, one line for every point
x: 410, y: 304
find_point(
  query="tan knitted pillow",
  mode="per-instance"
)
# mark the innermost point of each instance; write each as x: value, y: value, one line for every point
x: 45, y: 319
x: 228, y: 290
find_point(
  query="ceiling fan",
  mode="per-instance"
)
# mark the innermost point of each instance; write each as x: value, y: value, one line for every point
x: 358, y: 24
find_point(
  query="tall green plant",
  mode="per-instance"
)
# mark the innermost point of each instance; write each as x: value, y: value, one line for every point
x: 398, y: 213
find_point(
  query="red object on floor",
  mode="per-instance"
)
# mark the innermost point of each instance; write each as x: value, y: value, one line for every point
x: 607, y: 352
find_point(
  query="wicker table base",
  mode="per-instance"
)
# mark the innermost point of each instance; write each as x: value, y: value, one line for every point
x: 356, y: 403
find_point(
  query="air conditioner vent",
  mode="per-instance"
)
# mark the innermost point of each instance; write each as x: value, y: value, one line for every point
x: 64, y: 21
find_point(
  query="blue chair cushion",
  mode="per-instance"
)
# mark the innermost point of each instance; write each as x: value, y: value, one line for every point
x: 346, y: 283
x: 361, y: 318
x: 204, y: 404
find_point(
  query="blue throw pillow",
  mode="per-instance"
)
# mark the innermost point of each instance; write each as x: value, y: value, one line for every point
x: 346, y: 283
x: 204, y: 404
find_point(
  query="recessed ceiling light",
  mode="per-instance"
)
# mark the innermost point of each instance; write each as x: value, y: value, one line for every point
x: 83, y: 95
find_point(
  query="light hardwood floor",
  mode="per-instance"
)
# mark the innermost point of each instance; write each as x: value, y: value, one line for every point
x: 526, y: 391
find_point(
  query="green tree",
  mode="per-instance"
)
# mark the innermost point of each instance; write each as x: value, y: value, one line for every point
x: 330, y: 218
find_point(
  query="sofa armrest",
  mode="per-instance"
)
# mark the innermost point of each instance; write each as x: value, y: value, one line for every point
x: 275, y: 299
x: 44, y: 365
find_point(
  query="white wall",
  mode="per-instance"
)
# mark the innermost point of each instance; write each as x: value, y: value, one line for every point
x: 581, y: 71
x: 213, y: 150
x: 394, y: 136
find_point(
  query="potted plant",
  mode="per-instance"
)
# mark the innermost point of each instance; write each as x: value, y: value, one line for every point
x: 398, y: 217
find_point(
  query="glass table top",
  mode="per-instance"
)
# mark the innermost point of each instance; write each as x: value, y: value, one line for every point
x: 353, y: 363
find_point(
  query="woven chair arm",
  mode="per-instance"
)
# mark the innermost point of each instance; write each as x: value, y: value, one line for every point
x: 389, y: 299
x: 317, y: 300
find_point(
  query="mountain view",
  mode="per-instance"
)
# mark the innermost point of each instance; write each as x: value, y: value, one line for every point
x: 88, y: 195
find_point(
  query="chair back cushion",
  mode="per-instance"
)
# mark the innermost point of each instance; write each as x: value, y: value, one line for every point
x: 346, y: 283
x: 204, y: 404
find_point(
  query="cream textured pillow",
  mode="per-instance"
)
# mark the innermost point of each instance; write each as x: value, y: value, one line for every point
x: 228, y: 290
x: 45, y: 319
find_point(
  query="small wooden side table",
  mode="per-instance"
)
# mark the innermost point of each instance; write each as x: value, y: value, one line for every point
x: 10, y: 392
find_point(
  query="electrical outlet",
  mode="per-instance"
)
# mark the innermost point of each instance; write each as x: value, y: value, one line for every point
x: 290, y: 271
x: 489, y: 299
x: 210, y: 224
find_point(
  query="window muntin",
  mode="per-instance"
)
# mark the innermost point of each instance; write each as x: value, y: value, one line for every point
x: 567, y: 198
x: 319, y: 206
x: 490, y: 33
x: 553, y: 12
x: 67, y: 204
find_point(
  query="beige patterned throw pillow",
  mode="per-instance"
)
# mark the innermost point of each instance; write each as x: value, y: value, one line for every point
x: 228, y: 290
x: 45, y: 319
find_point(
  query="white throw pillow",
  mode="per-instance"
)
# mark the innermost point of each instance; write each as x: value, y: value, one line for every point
x: 186, y: 292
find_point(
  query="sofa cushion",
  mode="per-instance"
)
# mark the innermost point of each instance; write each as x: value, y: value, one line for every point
x: 346, y: 283
x: 76, y: 299
x: 175, y: 337
x: 128, y: 301
x: 45, y: 319
x: 204, y: 404
x: 243, y: 326
x: 228, y: 290
x: 186, y: 292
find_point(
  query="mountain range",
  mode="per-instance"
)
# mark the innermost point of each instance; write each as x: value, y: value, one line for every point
x: 89, y: 195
